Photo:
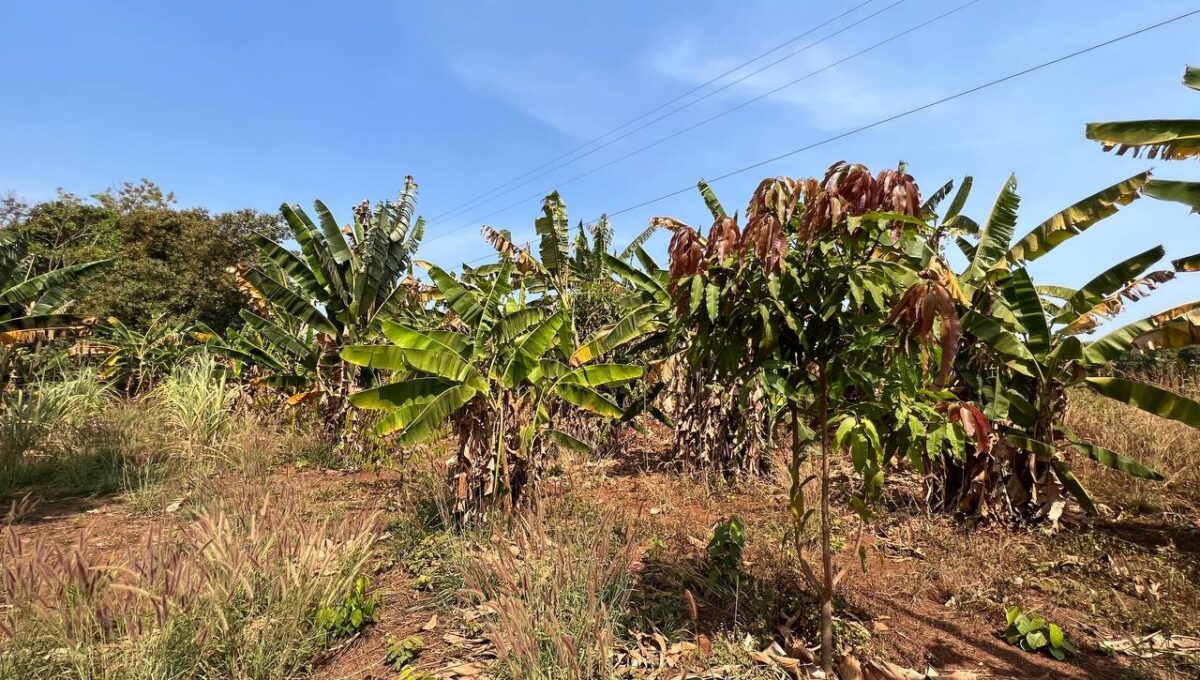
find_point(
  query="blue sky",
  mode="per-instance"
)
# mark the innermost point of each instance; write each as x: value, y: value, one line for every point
x: 235, y: 104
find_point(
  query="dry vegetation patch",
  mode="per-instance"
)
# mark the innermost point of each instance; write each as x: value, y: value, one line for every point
x: 219, y: 562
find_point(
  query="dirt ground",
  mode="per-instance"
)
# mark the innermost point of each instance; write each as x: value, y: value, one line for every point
x: 932, y: 595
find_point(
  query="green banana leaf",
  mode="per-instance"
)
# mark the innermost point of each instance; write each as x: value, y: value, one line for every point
x: 526, y: 354
x: 1074, y: 220
x: 400, y: 394
x: 992, y: 334
x: 29, y: 290
x: 567, y: 441
x: 1121, y: 340
x: 295, y: 306
x: 385, y: 357
x: 598, y: 375
x: 421, y: 421
x: 445, y: 364
x: 464, y: 302
x: 1023, y: 300
x: 1187, y: 193
x: 710, y: 200
x: 292, y: 265
x: 1167, y: 139
x: 409, y: 338
x: 1116, y: 461
x: 1111, y: 280
x: 633, y: 326
x: 1149, y: 398
x: 552, y: 227
x: 997, y: 232
x: 588, y: 399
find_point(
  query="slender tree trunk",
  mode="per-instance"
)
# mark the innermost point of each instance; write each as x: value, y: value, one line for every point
x: 826, y: 551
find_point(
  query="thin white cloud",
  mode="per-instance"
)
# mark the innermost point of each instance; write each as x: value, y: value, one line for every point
x: 842, y: 96
x: 544, y: 87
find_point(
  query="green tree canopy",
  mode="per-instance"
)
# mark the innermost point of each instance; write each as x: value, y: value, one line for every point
x: 169, y: 262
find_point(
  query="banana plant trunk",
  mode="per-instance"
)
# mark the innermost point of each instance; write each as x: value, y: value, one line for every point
x: 714, y: 432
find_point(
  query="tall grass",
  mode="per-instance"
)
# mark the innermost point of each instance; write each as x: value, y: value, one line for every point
x: 233, y: 594
x: 198, y: 401
x: 557, y: 590
x: 73, y: 435
x: 37, y: 419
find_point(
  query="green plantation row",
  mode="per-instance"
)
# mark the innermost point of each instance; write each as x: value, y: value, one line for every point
x: 828, y: 316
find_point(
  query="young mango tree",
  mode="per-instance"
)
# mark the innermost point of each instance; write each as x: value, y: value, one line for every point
x: 497, y: 375
x: 803, y: 301
x: 1024, y: 347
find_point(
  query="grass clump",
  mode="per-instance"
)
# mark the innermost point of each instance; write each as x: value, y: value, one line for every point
x: 554, y: 591
x: 235, y: 593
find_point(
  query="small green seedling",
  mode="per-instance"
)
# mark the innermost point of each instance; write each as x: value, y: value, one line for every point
x: 1033, y: 633
x: 724, y: 551
x: 401, y: 653
x: 347, y: 618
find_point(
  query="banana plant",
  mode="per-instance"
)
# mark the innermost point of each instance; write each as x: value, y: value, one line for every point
x: 337, y: 291
x: 599, y: 291
x: 32, y: 306
x: 1165, y: 139
x: 265, y: 352
x: 35, y: 308
x: 497, y: 374
x: 135, y: 360
x: 1026, y: 345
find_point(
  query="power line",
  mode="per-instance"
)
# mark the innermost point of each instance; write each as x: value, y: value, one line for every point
x: 470, y: 202
x: 710, y: 119
x: 909, y: 112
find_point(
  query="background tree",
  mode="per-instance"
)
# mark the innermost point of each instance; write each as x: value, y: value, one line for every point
x: 170, y: 263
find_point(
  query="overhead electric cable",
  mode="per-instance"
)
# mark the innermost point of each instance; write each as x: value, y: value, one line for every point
x: 903, y: 114
x: 456, y: 209
x: 721, y: 114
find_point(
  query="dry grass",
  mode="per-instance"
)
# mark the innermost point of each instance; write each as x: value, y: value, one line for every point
x: 232, y: 593
x: 554, y: 590
x: 1164, y: 445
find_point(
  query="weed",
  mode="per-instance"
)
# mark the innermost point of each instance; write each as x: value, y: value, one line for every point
x: 401, y: 653
x: 232, y: 594
x: 724, y: 551
x: 351, y: 614
x: 198, y: 401
x: 1033, y: 633
x: 558, y: 594
x: 40, y: 418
